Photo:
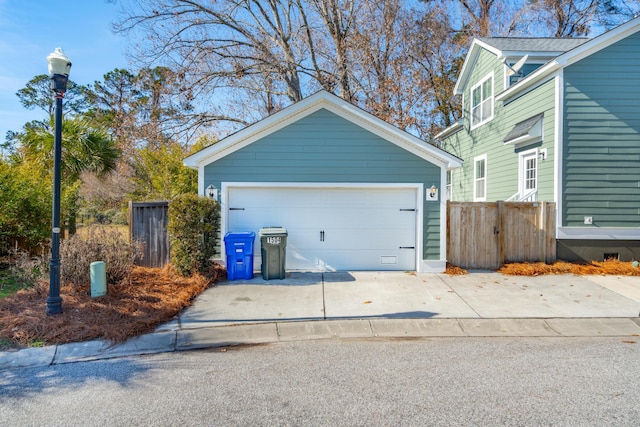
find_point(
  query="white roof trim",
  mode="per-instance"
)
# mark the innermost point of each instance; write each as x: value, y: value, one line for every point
x: 307, y: 106
x: 450, y: 130
x: 598, y: 233
x: 471, y: 57
x: 574, y: 55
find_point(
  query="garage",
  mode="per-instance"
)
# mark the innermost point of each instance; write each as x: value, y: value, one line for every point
x: 353, y: 192
x: 333, y: 228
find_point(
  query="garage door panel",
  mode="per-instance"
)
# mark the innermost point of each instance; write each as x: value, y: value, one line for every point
x: 386, y: 261
x: 372, y: 239
x: 364, y: 228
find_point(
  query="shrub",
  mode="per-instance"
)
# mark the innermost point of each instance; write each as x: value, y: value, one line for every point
x: 25, y: 209
x: 194, y: 225
x: 27, y: 270
x: 120, y: 218
x: 96, y: 244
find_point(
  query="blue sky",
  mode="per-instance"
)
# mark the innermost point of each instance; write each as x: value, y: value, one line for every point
x: 31, y: 29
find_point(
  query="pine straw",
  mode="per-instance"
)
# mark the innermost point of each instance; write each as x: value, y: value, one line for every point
x: 152, y: 297
x: 454, y: 270
x: 609, y: 267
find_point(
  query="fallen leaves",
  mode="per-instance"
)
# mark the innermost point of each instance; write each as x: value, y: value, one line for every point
x: 453, y: 270
x: 153, y: 296
x: 609, y: 267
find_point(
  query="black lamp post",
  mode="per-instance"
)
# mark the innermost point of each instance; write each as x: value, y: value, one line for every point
x: 59, y: 67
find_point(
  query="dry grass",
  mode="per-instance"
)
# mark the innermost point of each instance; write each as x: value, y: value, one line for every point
x: 151, y: 298
x: 609, y: 267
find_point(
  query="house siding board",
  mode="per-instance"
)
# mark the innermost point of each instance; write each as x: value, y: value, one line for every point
x: 502, y: 159
x: 326, y: 148
x: 602, y: 137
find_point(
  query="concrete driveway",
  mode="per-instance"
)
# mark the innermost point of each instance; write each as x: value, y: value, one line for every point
x: 377, y: 305
x: 408, y: 295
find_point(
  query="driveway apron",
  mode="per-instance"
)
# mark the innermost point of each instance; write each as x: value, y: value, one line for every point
x: 410, y: 295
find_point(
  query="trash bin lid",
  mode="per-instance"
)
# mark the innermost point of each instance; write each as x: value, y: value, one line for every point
x: 239, y: 235
x: 271, y: 231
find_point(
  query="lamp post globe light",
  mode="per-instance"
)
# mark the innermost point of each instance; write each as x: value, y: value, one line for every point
x: 59, y: 67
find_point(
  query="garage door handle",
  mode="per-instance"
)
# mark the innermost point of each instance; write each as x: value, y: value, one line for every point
x: 407, y: 210
x: 322, y: 236
x: 236, y: 209
x: 407, y: 247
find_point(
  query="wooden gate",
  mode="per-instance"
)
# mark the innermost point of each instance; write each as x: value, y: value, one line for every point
x: 486, y: 235
x: 148, y: 225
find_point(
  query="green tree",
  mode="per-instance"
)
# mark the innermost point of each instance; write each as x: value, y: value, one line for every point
x: 37, y: 94
x: 25, y: 216
x: 84, y: 149
x: 160, y: 175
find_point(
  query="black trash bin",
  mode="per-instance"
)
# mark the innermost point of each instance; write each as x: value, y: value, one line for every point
x: 273, y: 243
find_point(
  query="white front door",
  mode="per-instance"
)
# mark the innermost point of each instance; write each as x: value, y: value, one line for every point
x: 528, y: 181
x: 332, y: 229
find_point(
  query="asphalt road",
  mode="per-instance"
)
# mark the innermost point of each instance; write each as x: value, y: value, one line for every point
x: 442, y: 382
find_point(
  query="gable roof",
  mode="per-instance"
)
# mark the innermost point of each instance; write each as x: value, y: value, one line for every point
x: 510, y: 47
x: 559, y: 52
x: 309, y: 105
x: 572, y: 56
x: 544, y: 45
x: 525, y: 131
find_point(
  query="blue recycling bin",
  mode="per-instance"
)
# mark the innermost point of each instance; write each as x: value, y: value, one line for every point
x: 239, y: 251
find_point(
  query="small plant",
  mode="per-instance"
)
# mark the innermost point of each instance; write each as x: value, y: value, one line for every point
x: 26, y: 271
x: 194, y: 225
x: 96, y: 244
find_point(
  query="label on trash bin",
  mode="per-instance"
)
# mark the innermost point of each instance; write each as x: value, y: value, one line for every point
x: 274, y: 240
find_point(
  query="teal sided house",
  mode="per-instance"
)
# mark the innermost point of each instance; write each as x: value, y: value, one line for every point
x: 556, y: 120
x: 353, y: 192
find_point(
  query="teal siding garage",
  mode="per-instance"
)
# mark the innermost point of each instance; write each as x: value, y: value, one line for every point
x: 325, y: 168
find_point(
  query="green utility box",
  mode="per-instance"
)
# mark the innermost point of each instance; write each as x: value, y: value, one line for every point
x: 273, y: 242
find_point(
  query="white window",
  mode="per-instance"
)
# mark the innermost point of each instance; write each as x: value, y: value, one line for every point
x: 482, y: 102
x: 449, y: 185
x: 528, y: 182
x: 480, y: 178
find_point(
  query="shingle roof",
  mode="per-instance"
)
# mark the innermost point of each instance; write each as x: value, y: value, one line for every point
x: 533, y: 44
x: 523, y: 128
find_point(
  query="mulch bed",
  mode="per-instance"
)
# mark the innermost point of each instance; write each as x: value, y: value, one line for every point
x: 609, y: 267
x: 150, y: 298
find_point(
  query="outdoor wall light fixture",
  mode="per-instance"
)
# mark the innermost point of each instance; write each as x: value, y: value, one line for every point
x: 432, y: 193
x: 542, y: 155
x: 59, y: 68
x: 212, y: 192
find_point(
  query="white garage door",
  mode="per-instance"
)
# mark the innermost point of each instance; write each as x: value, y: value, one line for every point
x: 332, y: 229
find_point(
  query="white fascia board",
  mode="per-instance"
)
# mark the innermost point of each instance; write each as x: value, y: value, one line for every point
x: 310, y: 105
x: 598, y: 233
x: 573, y: 56
x: 258, y: 130
x: 394, y: 135
x: 531, y: 80
x: 450, y: 130
x: 523, y: 140
x: 600, y: 42
x: 469, y: 63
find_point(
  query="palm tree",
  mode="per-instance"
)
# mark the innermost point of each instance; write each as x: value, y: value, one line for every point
x: 85, y: 148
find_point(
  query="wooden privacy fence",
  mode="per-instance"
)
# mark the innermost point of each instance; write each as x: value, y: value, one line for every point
x: 148, y: 225
x: 486, y: 235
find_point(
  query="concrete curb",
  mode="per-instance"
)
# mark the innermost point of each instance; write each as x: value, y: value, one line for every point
x: 263, y: 333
